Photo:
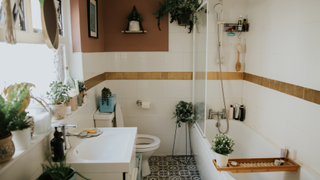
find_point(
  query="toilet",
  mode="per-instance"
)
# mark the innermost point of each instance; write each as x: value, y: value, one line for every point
x: 145, y: 144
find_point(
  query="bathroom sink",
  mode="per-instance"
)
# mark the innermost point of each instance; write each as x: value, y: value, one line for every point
x: 112, y: 151
x: 107, y: 147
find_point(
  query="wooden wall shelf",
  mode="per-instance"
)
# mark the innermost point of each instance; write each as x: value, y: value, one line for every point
x: 258, y: 165
x: 134, y: 32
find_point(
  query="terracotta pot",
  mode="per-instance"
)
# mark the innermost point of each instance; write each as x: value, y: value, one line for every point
x: 7, y: 148
x: 22, y: 139
x: 73, y: 103
x: 58, y: 111
x: 222, y: 160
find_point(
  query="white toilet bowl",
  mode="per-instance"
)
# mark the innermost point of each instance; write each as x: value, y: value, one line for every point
x: 146, y: 145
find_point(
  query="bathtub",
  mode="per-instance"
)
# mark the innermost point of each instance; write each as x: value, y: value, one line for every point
x: 248, y: 144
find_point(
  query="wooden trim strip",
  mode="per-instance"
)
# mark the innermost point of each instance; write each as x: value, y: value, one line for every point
x: 160, y: 76
x: 307, y: 94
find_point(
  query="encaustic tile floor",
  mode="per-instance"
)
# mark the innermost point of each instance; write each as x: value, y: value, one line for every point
x: 168, y: 168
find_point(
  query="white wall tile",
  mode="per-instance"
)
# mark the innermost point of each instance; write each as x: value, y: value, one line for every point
x: 180, y: 89
x: 152, y: 89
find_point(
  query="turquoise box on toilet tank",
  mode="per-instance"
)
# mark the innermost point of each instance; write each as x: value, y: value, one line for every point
x: 110, y: 107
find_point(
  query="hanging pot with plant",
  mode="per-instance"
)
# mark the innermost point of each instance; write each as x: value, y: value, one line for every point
x: 134, y: 18
x: 222, y: 146
x: 58, y: 96
x: 180, y: 10
x: 11, y: 112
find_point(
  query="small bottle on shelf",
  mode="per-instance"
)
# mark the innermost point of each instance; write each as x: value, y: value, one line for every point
x: 245, y: 25
x: 240, y: 23
x: 231, y: 112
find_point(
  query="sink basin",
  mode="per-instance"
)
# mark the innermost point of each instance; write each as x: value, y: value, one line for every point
x: 112, y: 151
x: 106, y: 147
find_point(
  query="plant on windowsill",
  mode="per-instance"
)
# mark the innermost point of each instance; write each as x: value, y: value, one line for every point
x: 182, y: 11
x: 82, y: 89
x: 184, y: 113
x: 222, y: 146
x: 12, y: 116
x: 58, y: 96
x: 58, y: 171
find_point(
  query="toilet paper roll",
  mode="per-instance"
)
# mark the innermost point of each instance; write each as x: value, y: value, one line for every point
x: 145, y: 105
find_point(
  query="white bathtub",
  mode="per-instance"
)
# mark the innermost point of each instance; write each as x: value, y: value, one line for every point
x: 248, y: 144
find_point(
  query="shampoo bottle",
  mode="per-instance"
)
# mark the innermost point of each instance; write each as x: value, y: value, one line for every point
x: 240, y: 23
x: 231, y: 112
x: 57, y: 151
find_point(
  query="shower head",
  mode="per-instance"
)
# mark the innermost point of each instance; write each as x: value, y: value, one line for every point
x: 218, y: 8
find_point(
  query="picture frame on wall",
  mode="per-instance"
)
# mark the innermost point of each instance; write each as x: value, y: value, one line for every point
x: 93, y: 18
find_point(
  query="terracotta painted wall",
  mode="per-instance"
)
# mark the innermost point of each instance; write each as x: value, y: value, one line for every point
x: 79, y: 21
x: 112, y: 20
x: 115, y: 21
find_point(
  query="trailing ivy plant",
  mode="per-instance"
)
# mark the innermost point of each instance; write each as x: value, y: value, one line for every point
x: 58, y: 170
x: 184, y: 113
x: 177, y: 8
x: 82, y: 87
x: 134, y: 15
x: 105, y: 94
x: 10, y: 111
x: 58, y: 93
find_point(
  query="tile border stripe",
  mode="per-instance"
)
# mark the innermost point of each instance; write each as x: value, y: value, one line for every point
x: 307, y: 94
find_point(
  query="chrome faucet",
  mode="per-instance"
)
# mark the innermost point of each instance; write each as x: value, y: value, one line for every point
x: 222, y: 114
x: 64, y: 130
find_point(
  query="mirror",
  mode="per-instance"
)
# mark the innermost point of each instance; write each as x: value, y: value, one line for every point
x: 49, y: 22
x: 200, y: 67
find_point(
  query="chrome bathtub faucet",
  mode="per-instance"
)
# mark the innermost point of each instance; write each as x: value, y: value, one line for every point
x: 221, y: 115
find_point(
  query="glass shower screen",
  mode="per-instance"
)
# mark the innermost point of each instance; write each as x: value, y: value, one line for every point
x: 200, y: 44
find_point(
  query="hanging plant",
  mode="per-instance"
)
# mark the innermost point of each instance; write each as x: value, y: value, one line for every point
x: 105, y: 94
x: 182, y: 11
x: 134, y: 15
x: 184, y: 113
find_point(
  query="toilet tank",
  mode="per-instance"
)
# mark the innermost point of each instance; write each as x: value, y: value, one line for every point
x: 103, y: 119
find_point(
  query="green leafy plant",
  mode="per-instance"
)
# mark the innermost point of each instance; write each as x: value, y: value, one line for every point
x: 58, y: 170
x: 184, y: 113
x: 134, y: 15
x: 82, y: 87
x: 58, y: 93
x: 19, y: 123
x: 223, y: 144
x: 105, y: 94
x: 10, y: 110
x: 177, y: 9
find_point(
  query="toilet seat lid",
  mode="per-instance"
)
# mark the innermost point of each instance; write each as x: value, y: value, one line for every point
x: 118, y: 115
x: 147, y: 141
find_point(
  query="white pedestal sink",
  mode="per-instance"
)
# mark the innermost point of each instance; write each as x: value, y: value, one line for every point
x: 108, y: 156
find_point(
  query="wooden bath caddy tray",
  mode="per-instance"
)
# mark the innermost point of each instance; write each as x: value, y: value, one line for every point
x: 258, y: 165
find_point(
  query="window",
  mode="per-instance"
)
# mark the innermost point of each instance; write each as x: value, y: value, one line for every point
x: 31, y: 63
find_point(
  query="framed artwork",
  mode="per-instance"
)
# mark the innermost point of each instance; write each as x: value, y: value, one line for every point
x: 93, y: 18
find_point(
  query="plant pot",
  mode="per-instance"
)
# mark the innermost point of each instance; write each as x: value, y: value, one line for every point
x: 110, y: 107
x: 7, y: 148
x: 46, y: 176
x: 58, y: 111
x: 184, y: 19
x: 222, y: 160
x: 134, y: 26
x: 22, y: 139
x: 73, y: 103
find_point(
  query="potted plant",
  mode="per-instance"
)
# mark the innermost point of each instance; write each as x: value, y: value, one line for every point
x: 107, y: 100
x: 82, y: 89
x: 184, y: 113
x: 58, y: 171
x: 134, y: 18
x: 58, y: 96
x: 182, y: 11
x: 18, y: 99
x: 222, y: 146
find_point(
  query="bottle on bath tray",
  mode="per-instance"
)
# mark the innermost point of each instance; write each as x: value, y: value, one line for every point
x: 242, y: 113
x: 231, y: 112
x: 57, y: 151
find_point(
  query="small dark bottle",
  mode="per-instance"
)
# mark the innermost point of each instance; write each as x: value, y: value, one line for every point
x: 245, y: 25
x: 242, y: 113
x: 57, y: 151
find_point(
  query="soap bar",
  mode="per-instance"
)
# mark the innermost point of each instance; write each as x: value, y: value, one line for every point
x: 91, y: 131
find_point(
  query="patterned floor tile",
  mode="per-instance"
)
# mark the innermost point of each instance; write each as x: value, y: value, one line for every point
x: 169, y: 168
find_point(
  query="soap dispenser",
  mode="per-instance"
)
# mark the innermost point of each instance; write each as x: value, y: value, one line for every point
x: 57, y: 151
